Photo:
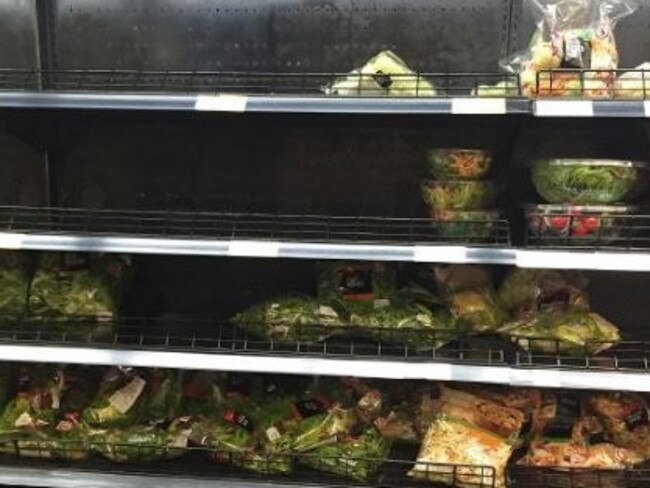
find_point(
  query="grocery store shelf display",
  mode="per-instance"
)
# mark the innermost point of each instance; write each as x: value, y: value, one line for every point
x: 459, y: 93
x: 362, y: 352
x: 621, y: 243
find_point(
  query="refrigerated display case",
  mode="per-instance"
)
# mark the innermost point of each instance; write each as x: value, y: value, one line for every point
x: 236, y: 188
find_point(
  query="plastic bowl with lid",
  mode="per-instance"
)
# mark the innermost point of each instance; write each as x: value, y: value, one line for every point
x: 459, y: 164
x: 589, y: 181
x: 570, y: 224
x: 458, y: 195
x: 466, y: 225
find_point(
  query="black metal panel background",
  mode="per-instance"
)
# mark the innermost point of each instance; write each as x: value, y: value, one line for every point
x: 18, y: 36
x: 279, y: 35
x: 344, y: 165
x: 632, y: 32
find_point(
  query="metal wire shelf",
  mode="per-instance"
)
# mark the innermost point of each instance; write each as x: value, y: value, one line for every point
x: 577, y: 229
x: 203, y: 336
x: 631, y: 84
x: 291, y: 468
x: 593, y: 355
x: 229, y: 226
x: 557, y: 477
x: 320, y: 341
x: 209, y: 463
x: 305, y: 83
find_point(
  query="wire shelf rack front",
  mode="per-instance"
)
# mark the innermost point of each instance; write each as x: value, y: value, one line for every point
x: 587, y: 230
x: 313, y: 84
x: 210, y: 463
x: 205, y: 336
x: 229, y: 226
x: 623, y: 84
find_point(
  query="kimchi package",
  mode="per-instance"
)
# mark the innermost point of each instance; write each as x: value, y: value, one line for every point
x: 571, y: 34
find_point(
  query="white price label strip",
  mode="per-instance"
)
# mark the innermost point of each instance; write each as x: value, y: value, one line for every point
x: 583, y: 260
x: 254, y: 249
x: 11, y: 241
x: 440, y: 254
x: 221, y: 103
x: 564, y: 108
x: 478, y: 106
x: 646, y: 108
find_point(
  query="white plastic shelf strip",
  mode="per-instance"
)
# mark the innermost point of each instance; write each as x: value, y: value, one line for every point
x: 74, y: 478
x: 363, y: 368
x: 524, y: 258
x: 227, y: 102
x: 591, y: 108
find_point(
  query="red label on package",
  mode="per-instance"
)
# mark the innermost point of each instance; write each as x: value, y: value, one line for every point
x: 310, y: 407
x: 238, y: 418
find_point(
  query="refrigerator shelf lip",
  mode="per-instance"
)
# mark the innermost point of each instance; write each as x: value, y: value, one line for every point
x: 510, y: 256
x: 542, y: 377
x: 243, y: 103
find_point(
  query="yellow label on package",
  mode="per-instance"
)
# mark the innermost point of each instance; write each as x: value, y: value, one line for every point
x: 124, y: 399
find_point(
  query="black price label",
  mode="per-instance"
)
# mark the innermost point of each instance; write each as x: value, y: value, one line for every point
x: 637, y: 416
x: 311, y: 407
x: 356, y: 283
x: 567, y: 413
x: 237, y: 418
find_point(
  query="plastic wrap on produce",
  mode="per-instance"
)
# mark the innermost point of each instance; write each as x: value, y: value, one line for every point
x: 470, y: 431
x: 383, y: 75
x: 471, y: 297
x: 292, y: 319
x: 77, y: 285
x: 571, y: 34
x: 14, y: 283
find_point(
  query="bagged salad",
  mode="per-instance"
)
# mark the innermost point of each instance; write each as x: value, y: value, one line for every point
x: 471, y: 297
x: 571, y: 35
x: 359, y: 286
x: 38, y: 422
x: 120, y: 400
x: 292, y: 318
x: 564, y: 331
x: 470, y: 431
x: 141, y: 443
x: 72, y: 284
x: 14, y: 283
x: 527, y: 291
x: 625, y: 420
x: 383, y: 75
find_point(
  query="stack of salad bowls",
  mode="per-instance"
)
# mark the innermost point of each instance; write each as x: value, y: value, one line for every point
x: 459, y: 197
x: 588, y: 199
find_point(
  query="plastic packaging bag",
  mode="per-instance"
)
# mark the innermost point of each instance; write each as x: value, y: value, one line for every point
x: 571, y: 34
x: 470, y: 296
x: 635, y: 83
x: 559, y: 331
x: 470, y: 431
x: 383, y: 75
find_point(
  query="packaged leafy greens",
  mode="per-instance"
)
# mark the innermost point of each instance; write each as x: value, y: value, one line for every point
x: 527, y: 291
x: 358, y: 285
x: 290, y: 319
x: 164, y: 395
x: 14, y: 283
x: 383, y: 75
x: 470, y: 296
x: 564, y: 331
x: 412, y: 324
x: 70, y: 284
x: 139, y: 443
x: 120, y: 400
x: 356, y: 457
